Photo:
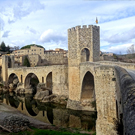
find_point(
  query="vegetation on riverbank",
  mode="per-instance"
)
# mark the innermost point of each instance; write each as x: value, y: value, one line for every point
x: 35, y: 131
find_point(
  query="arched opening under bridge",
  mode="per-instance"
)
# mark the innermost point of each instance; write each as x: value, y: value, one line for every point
x: 88, y: 87
x: 31, y: 82
x: 13, y: 81
x: 49, y: 83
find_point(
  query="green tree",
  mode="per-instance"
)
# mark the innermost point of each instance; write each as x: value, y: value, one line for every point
x: 3, y: 47
x: 26, y: 62
x: 8, y: 49
x: 28, y: 46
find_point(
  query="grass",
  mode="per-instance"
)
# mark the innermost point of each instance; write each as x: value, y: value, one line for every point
x: 35, y: 131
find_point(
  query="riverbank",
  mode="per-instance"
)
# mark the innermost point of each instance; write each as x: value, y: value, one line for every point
x: 6, y: 110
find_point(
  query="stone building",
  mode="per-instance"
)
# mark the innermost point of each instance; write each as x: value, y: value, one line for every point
x: 34, y: 60
x: 37, y: 56
x: 32, y: 50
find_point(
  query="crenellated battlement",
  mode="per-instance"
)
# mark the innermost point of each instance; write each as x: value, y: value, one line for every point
x: 83, y: 27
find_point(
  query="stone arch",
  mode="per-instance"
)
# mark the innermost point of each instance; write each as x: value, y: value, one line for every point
x: 49, y: 83
x: 31, y: 82
x: 11, y: 77
x: 85, y: 55
x: 87, y: 89
x: 13, y: 80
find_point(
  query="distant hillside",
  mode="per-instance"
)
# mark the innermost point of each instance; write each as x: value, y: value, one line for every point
x: 28, y: 46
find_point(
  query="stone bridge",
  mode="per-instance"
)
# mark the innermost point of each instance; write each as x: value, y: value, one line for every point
x: 87, y: 81
x: 53, y: 76
x: 98, y: 81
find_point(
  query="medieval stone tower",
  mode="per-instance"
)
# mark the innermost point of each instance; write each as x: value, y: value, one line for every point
x: 83, y: 45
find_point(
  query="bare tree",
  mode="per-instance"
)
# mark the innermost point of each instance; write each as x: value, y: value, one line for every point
x: 131, y: 50
x: 16, y: 47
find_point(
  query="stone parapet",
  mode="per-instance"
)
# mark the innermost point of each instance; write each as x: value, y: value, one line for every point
x: 127, y: 101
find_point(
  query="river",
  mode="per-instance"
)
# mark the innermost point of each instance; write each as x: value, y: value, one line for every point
x: 51, y: 113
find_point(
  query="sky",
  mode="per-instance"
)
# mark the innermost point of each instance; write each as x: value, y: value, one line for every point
x: 45, y: 22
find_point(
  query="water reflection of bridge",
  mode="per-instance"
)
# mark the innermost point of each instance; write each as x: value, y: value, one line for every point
x: 51, y: 113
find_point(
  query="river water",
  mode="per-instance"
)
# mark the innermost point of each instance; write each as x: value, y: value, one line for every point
x: 54, y: 114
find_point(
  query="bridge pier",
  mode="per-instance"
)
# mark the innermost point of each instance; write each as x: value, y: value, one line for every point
x: 105, y: 90
x: 105, y: 95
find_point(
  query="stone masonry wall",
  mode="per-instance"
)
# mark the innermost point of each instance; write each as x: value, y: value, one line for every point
x: 96, y: 43
x: 105, y: 87
x: 127, y: 100
x: 85, y: 40
x: 54, y: 58
x: 121, y: 64
x: 80, y: 38
x: 72, y: 47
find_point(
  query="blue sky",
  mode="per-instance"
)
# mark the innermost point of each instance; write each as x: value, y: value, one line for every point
x: 45, y: 22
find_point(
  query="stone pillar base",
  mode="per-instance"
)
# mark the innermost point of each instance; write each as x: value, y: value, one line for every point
x: 78, y: 105
x: 105, y: 128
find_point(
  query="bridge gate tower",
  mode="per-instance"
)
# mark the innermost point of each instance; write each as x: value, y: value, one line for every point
x: 83, y: 45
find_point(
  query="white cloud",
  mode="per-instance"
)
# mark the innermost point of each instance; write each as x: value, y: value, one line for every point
x: 122, y: 37
x: 30, y: 30
x: 117, y: 32
x: 6, y: 34
x: 118, y: 49
x: 16, y: 43
x: 2, y: 24
x: 23, y: 8
x: 52, y: 36
x: 26, y: 21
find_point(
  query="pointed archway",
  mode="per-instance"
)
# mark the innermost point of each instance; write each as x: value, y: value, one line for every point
x: 88, y: 87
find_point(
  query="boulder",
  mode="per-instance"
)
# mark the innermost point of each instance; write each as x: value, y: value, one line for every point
x: 15, y: 81
x: 49, y: 98
x: 20, y: 88
x: 20, y: 91
x: 29, y: 90
x: 41, y: 86
x: 5, y: 90
x: 11, y: 85
x: 41, y: 94
x: 20, y: 85
x: 16, y: 123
